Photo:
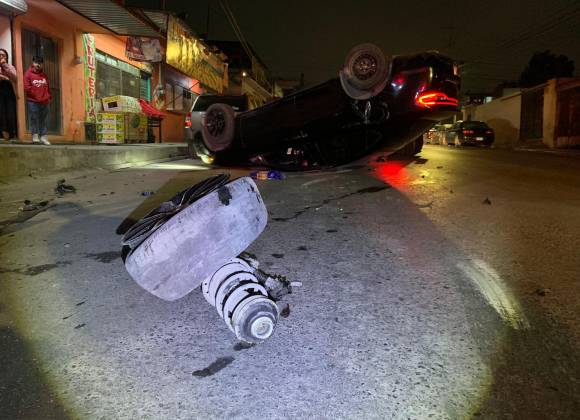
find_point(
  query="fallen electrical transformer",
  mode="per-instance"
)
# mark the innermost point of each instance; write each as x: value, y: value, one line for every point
x: 198, y: 238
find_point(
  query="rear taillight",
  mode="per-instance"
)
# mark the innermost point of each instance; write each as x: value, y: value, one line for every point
x: 489, y: 131
x: 431, y: 99
x: 188, y: 120
x: 467, y: 131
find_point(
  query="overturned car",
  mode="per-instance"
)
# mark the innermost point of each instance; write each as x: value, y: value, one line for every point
x: 377, y: 102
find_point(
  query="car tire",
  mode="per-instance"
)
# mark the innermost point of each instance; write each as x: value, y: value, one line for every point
x: 192, y: 244
x: 365, y: 71
x: 218, y: 127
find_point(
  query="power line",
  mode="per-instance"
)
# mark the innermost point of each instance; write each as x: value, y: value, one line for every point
x: 546, y: 26
x: 555, y: 19
x: 232, y: 19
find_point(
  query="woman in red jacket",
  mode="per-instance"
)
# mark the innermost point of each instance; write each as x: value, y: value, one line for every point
x: 37, y: 99
x: 7, y: 97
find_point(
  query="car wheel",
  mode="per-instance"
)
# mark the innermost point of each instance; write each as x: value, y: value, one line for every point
x: 365, y: 72
x: 218, y: 127
x: 197, y: 238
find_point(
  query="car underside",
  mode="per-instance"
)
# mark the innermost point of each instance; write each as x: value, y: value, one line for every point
x: 376, y: 103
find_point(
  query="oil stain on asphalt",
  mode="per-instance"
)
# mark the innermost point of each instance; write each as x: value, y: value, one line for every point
x: 214, y: 368
x: 37, y: 269
x: 105, y: 257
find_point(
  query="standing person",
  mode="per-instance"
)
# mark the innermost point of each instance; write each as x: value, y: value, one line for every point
x: 7, y: 97
x: 37, y: 99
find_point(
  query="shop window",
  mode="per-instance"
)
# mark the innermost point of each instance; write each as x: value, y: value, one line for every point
x: 178, y: 98
x: 130, y: 85
x: 188, y: 97
x: 115, y: 77
x: 169, y: 96
x: 108, y: 80
x: 145, y: 86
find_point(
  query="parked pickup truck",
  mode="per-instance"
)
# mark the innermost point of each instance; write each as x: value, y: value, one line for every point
x: 377, y: 102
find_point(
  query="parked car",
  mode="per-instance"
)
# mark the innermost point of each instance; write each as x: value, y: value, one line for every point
x: 193, y: 136
x: 436, y: 134
x: 376, y: 102
x: 469, y: 133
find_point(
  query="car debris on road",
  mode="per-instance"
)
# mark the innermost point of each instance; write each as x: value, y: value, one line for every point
x: 63, y: 188
x: 198, y: 238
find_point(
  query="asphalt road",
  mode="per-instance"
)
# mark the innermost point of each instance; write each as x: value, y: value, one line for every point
x: 445, y: 287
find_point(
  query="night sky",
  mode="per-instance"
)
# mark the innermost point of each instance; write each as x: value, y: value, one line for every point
x: 495, y: 39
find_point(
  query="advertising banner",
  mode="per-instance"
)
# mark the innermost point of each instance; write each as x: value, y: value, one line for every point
x: 90, y: 77
x: 141, y: 48
x: 187, y: 54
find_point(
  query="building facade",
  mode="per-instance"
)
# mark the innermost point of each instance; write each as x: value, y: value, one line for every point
x: 547, y: 114
x: 247, y: 73
x: 88, y: 55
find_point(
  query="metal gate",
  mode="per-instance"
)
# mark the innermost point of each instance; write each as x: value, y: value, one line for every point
x: 532, y: 116
x: 36, y: 44
x: 568, y: 118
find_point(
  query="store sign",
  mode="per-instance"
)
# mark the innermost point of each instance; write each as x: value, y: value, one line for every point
x: 141, y: 48
x: 90, y: 77
x: 187, y: 54
x: 14, y: 6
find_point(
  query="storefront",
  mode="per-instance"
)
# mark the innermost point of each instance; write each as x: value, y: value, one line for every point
x: 84, y: 62
x: 190, y: 70
x: 174, y: 93
x: 93, y: 52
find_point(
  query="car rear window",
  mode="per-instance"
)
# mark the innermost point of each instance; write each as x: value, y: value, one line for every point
x: 238, y: 103
x: 474, y: 124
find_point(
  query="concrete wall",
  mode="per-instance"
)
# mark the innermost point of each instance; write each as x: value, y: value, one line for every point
x: 25, y: 160
x: 503, y: 115
x: 549, y: 115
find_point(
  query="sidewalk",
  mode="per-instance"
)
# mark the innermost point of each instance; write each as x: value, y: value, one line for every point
x: 18, y: 160
x: 560, y: 152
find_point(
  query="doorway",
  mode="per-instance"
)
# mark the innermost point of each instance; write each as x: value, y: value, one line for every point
x: 532, y: 116
x: 36, y: 44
